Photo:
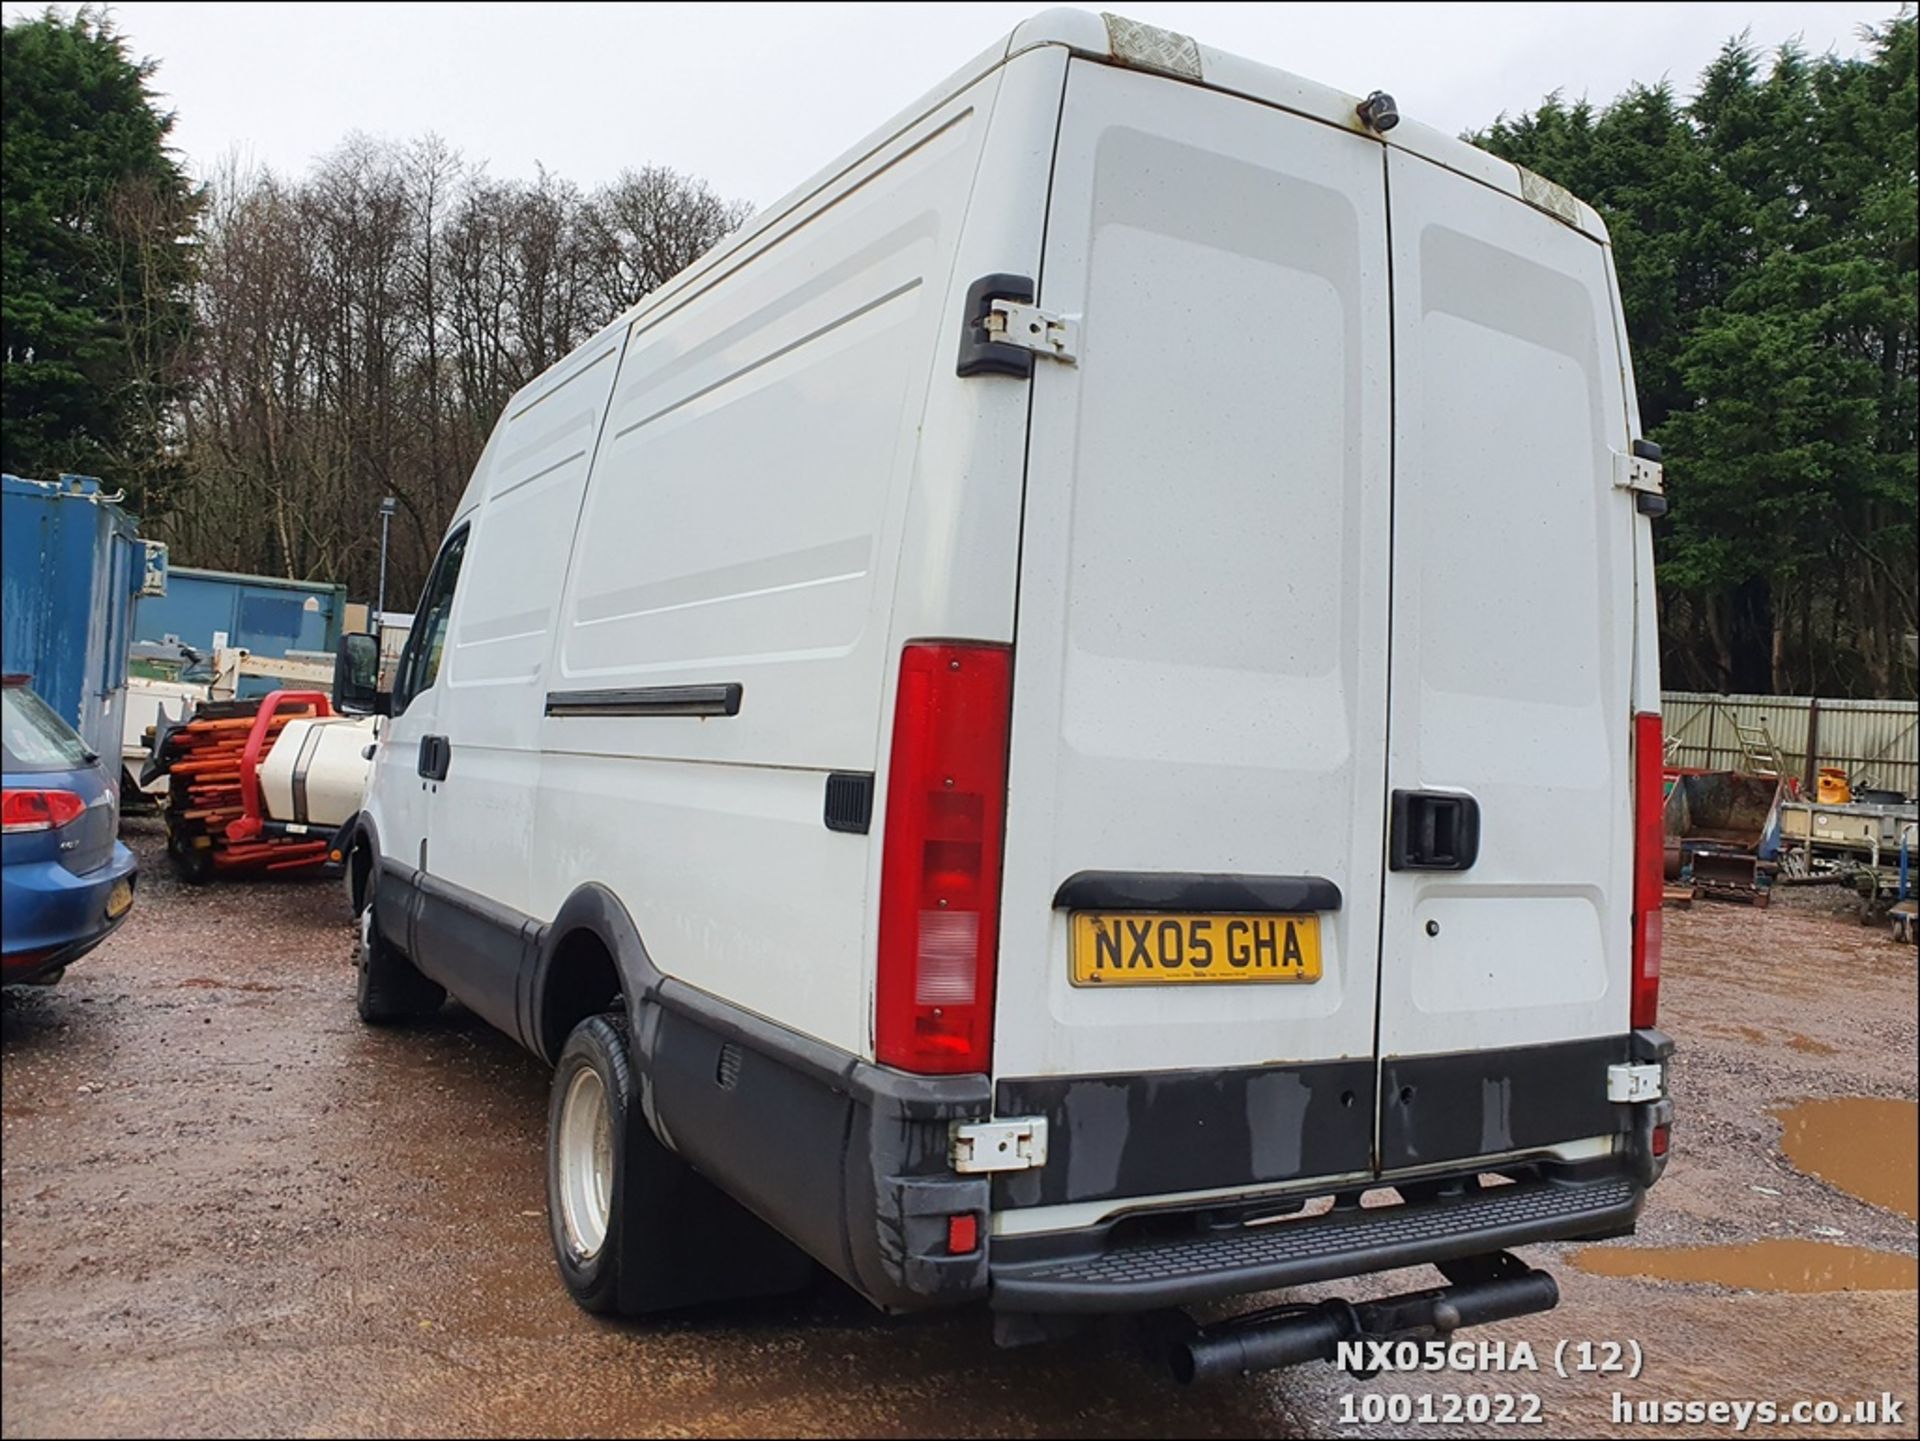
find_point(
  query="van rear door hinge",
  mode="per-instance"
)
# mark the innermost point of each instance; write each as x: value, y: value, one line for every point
x: 1012, y: 322
x: 1002, y: 329
x: 1014, y: 1145
x: 1640, y: 472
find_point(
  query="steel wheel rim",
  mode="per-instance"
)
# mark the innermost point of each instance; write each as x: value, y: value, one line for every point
x: 586, y: 1164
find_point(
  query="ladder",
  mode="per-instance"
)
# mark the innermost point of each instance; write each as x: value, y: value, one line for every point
x: 1758, y: 752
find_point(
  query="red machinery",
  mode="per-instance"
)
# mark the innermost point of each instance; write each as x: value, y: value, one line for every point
x: 215, y: 818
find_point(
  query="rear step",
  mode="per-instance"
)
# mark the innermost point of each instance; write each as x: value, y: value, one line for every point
x: 1346, y: 1241
x: 1486, y: 1288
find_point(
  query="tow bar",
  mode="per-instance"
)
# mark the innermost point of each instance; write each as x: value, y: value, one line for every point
x: 1496, y: 1287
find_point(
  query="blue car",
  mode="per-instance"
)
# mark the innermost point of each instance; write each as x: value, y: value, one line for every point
x: 65, y: 879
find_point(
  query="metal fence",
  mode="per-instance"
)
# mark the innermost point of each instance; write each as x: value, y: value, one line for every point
x: 1875, y: 741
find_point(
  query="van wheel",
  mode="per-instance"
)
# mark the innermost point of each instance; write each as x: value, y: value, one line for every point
x: 387, y: 987
x: 635, y: 1230
x: 589, y: 1151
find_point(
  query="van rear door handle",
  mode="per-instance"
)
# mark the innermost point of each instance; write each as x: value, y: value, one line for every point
x: 435, y: 752
x: 1433, y: 831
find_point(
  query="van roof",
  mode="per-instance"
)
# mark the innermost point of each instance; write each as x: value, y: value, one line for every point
x: 1116, y: 40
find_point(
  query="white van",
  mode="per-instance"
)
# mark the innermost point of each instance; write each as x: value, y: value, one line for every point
x: 1083, y: 688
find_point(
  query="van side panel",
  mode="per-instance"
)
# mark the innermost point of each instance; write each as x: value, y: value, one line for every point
x: 1513, y: 630
x: 745, y: 508
x: 493, y: 676
x: 741, y: 529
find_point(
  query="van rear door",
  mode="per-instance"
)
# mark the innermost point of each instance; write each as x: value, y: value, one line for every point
x: 1200, y: 653
x: 1513, y: 623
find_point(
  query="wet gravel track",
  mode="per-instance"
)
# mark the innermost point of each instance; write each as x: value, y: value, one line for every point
x: 229, y: 1208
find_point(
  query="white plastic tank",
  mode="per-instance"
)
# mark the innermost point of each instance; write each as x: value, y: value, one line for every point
x: 317, y: 771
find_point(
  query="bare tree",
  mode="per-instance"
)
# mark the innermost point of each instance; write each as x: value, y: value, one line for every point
x: 360, y: 330
x: 651, y: 224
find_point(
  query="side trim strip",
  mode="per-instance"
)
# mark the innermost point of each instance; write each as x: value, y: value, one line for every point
x: 1192, y: 891
x: 652, y: 700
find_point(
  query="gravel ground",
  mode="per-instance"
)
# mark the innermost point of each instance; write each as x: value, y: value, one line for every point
x: 229, y: 1209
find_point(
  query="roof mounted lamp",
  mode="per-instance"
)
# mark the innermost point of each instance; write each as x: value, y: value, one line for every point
x: 1378, y: 112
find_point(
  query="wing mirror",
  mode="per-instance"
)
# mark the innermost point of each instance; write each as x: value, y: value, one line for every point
x: 356, y: 676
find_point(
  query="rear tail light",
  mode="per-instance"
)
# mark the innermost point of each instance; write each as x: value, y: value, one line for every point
x: 24, y: 810
x: 940, y: 868
x: 1649, y: 857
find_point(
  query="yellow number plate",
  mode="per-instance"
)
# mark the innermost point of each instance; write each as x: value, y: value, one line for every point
x: 1135, y: 950
x: 118, y: 899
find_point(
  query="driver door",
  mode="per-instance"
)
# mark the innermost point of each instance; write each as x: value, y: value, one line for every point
x: 413, y: 749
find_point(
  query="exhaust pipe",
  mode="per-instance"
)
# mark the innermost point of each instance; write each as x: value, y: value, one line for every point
x: 1265, y: 1341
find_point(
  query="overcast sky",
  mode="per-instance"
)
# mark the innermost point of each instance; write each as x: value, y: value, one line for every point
x: 757, y: 97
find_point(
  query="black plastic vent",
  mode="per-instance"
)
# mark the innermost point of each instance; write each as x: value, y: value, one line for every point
x: 726, y: 1074
x: 850, y: 801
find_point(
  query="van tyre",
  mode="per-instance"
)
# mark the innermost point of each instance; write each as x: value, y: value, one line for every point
x: 388, y: 989
x: 635, y: 1230
x: 591, y: 1158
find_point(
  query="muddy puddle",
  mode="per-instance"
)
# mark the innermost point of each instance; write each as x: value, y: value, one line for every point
x: 1796, y: 1266
x: 1865, y: 1146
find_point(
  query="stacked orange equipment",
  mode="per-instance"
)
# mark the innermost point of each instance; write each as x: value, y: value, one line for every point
x: 213, y: 806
